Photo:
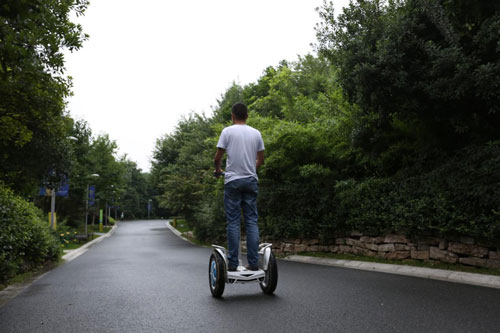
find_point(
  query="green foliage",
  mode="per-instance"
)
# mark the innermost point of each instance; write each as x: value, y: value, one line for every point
x: 136, y: 193
x: 459, y: 197
x: 118, y: 177
x: 109, y: 168
x: 26, y: 241
x: 305, y: 147
x: 209, y: 219
x: 40, y: 144
x: 32, y: 88
x: 432, y: 64
x: 181, y: 167
x: 233, y: 95
x: 385, y: 130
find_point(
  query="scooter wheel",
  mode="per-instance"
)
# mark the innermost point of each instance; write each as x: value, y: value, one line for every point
x: 216, y: 275
x: 270, y: 282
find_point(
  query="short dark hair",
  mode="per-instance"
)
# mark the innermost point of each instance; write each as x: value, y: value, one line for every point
x: 240, y: 111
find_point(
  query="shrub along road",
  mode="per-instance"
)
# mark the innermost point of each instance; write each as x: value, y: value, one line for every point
x: 144, y: 278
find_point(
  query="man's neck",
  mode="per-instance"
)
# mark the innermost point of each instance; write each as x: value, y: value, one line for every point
x: 239, y: 122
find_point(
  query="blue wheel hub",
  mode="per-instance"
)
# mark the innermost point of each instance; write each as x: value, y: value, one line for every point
x: 213, y: 273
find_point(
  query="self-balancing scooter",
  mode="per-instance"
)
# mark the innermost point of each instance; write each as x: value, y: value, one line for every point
x: 218, y: 274
x: 266, y: 276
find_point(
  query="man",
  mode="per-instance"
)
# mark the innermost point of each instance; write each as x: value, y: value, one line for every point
x: 245, y: 154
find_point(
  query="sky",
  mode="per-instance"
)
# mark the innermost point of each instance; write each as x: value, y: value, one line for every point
x: 146, y: 66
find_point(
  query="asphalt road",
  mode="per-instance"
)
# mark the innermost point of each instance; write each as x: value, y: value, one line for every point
x: 145, y: 279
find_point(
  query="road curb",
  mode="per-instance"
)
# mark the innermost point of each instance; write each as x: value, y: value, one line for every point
x: 176, y: 232
x: 483, y: 280
x: 73, y: 254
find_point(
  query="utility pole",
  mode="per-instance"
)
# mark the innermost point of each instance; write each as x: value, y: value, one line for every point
x: 94, y: 175
x: 149, y: 208
x: 87, y: 209
x: 52, y: 207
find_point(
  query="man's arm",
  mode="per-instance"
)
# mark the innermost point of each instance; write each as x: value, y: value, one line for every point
x: 260, y: 158
x: 218, y: 160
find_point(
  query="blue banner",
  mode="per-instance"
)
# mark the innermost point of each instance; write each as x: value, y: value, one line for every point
x: 91, y: 195
x: 42, y: 192
x: 63, y: 190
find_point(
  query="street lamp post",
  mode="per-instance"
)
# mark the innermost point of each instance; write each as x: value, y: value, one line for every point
x: 53, y: 197
x: 52, y: 202
x: 149, y: 208
x: 107, y: 208
x: 113, y: 204
x: 87, y: 204
x: 52, y: 206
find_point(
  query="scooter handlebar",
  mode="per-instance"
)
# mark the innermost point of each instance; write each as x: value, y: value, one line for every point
x: 218, y: 174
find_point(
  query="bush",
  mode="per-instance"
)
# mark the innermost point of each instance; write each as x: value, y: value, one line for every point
x: 459, y: 197
x: 296, y: 193
x: 210, y: 220
x: 26, y: 241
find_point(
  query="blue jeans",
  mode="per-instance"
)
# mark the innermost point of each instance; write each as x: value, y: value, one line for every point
x: 241, y: 194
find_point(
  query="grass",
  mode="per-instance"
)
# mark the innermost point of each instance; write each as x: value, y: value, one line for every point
x: 70, y: 242
x: 183, y: 228
x: 75, y: 244
x: 72, y: 246
x: 198, y: 242
x: 105, y: 229
x: 407, y: 262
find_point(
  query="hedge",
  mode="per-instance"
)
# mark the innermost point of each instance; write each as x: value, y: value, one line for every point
x: 459, y: 197
x: 26, y: 241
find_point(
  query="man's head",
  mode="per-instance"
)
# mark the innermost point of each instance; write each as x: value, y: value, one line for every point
x: 240, y: 111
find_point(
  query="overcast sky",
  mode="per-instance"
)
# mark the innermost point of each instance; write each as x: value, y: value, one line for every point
x: 148, y: 63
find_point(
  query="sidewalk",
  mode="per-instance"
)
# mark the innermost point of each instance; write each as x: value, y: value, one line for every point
x: 483, y: 280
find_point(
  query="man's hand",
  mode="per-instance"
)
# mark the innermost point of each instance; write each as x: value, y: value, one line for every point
x: 260, y: 159
x: 218, y: 161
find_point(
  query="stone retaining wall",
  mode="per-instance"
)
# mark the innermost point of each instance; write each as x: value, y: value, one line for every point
x: 462, y: 250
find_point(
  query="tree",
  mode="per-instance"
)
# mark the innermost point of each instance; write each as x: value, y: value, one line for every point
x: 368, y: 135
x: 232, y: 95
x: 110, y: 183
x: 186, y: 165
x: 32, y: 87
x: 79, y: 166
x: 136, y: 194
x: 427, y: 72
x: 299, y: 108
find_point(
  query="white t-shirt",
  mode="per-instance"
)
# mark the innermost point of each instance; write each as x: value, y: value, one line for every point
x: 241, y: 142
